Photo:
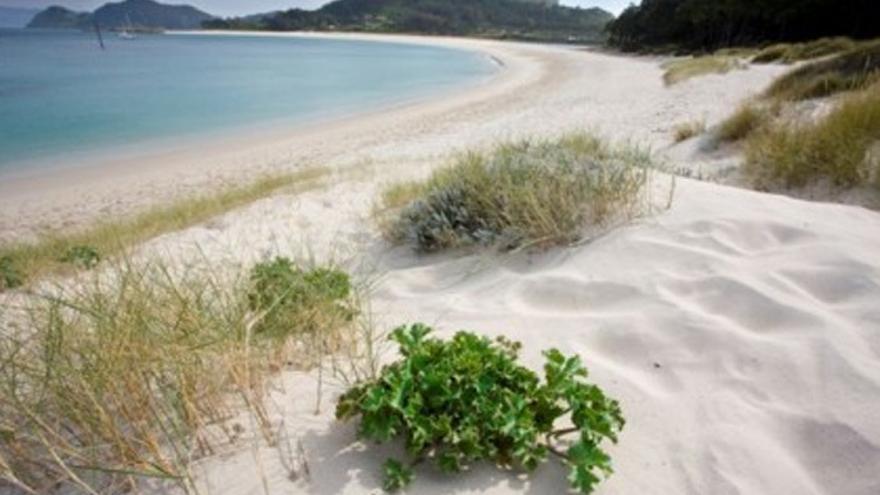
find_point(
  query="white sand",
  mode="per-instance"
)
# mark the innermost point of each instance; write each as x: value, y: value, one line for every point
x: 741, y: 331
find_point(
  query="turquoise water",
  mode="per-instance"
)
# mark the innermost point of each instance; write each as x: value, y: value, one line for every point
x: 61, y: 96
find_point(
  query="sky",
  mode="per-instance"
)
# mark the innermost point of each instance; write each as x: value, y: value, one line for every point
x: 243, y: 7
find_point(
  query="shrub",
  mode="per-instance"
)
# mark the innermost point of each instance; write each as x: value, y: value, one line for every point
x: 794, y: 52
x: 682, y: 69
x: 852, y: 70
x: 10, y: 277
x: 522, y: 194
x: 683, y: 132
x: 746, y: 120
x: 834, y: 149
x: 134, y: 374
x: 86, y: 257
x: 294, y: 301
x: 467, y: 399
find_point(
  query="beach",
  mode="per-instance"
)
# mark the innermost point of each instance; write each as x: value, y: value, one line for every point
x: 738, y: 329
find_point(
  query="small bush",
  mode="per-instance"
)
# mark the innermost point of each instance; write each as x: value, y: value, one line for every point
x: 679, y: 70
x: 794, y: 52
x: 85, y: 257
x: 746, y: 120
x: 466, y: 400
x: 852, y: 70
x: 522, y: 194
x: 10, y: 277
x: 295, y: 301
x: 683, y: 132
x: 136, y: 372
x: 835, y: 149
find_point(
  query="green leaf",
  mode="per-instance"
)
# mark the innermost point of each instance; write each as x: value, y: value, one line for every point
x: 467, y: 399
x: 397, y: 475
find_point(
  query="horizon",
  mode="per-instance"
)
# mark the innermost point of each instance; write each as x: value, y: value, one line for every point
x: 232, y: 8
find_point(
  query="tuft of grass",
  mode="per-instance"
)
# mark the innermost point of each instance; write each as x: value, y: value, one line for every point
x: 794, y: 52
x: 527, y: 193
x: 852, y: 70
x: 132, y: 375
x: 687, y: 130
x: 836, y: 149
x: 10, y: 278
x: 682, y: 69
x: 52, y: 254
x: 748, y: 118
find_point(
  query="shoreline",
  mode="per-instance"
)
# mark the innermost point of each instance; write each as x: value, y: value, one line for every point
x: 125, y: 179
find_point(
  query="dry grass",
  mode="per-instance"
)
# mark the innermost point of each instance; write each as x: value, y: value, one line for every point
x: 26, y: 261
x: 128, y: 378
x: 795, y: 52
x: 836, y: 149
x: 852, y: 70
x: 523, y: 194
x: 748, y: 118
x: 687, y: 130
x: 682, y: 69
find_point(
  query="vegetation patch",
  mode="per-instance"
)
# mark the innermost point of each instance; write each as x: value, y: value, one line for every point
x: 683, y: 132
x: 467, y: 400
x: 134, y: 374
x: 747, y: 119
x: 853, y: 70
x: 836, y: 149
x: 528, y: 193
x: 794, y: 52
x: 10, y: 277
x: 682, y: 69
x: 56, y: 253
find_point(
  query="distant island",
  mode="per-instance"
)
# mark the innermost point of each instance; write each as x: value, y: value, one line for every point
x: 533, y: 20
x: 135, y: 14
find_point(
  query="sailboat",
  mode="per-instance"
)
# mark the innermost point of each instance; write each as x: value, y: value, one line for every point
x: 125, y: 33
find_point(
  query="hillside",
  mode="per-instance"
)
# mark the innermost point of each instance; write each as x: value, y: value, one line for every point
x: 501, y: 19
x: 135, y: 13
x: 709, y: 24
x: 60, y: 18
x: 14, y: 17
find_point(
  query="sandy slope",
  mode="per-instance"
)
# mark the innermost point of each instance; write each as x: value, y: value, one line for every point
x: 738, y: 329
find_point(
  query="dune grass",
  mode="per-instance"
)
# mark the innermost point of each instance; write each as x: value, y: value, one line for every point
x: 852, y: 70
x: 682, y: 69
x: 795, y: 52
x: 22, y: 262
x: 748, y: 118
x: 129, y: 377
x: 835, y: 149
x: 521, y: 194
x: 687, y: 130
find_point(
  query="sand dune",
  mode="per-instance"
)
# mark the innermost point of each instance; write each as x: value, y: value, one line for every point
x: 738, y: 329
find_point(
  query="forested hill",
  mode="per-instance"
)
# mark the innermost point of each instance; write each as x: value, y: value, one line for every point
x: 485, y: 18
x: 710, y: 24
x: 128, y: 13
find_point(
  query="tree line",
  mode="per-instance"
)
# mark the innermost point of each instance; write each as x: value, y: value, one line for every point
x: 711, y: 24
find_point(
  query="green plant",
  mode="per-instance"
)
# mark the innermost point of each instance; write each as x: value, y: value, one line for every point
x: 86, y: 257
x: 47, y: 254
x: 746, y: 120
x: 136, y: 370
x: 291, y: 299
x: 852, y: 70
x: 10, y: 277
x: 467, y: 399
x: 528, y: 193
x: 834, y: 149
x: 683, y: 132
x: 793, y: 52
x: 682, y: 69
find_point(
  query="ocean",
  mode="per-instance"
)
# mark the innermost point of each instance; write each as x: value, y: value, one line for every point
x: 63, y: 98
